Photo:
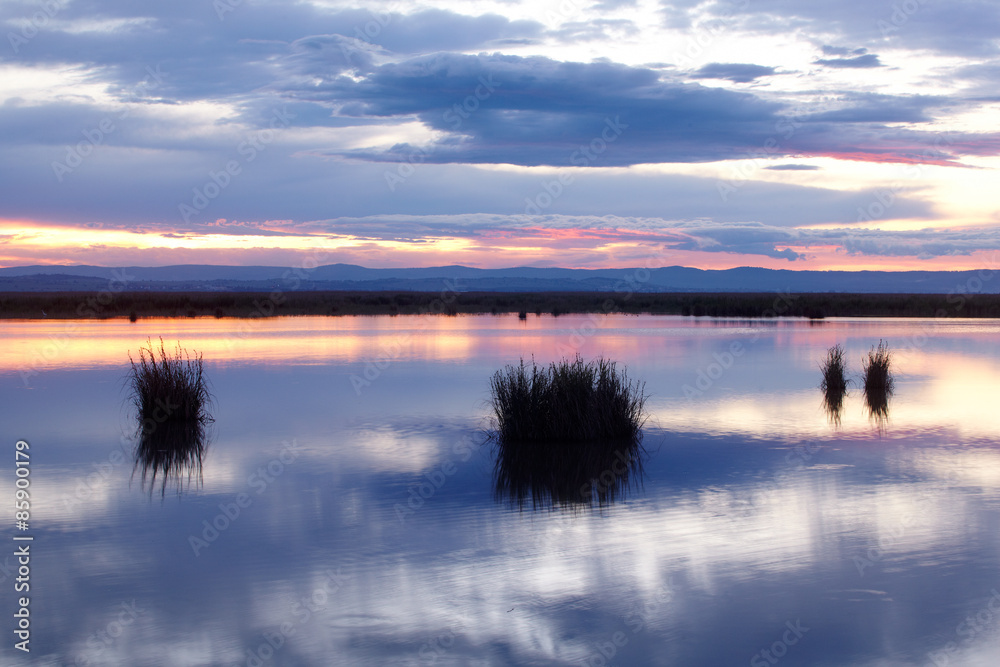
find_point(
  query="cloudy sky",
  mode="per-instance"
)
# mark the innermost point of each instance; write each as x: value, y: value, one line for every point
x: 720, y: 133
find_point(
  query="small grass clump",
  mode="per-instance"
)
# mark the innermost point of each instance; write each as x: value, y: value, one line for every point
x: 171, y: 399
x: 566, y: 434
x: 878, y: 382
x: 568, y: 401
x: 877, y: 370
x: 168, y: 389
x: 834, y: 383
x: 834, y: 372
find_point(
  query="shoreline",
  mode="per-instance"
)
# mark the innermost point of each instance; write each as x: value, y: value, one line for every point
x: 139, y: 305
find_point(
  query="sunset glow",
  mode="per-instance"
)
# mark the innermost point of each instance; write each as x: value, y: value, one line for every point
x: 712, y: 134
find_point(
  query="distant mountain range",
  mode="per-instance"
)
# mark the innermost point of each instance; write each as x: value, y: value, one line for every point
x: 195, y: 277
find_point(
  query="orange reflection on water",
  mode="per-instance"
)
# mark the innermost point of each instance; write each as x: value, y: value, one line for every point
x: 946, y: 376
x: 73, y: 344
x: 934, y: 390
x: 49, y: 345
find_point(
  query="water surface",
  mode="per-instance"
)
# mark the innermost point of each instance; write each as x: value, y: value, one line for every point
x: 369, y: 532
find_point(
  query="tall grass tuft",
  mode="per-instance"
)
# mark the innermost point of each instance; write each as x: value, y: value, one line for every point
x: 834, y: 383
x: 568, y: 401
x: 876, y: 367
x: 171, y: 400
x: 566, y: 434
x: 878, y: 382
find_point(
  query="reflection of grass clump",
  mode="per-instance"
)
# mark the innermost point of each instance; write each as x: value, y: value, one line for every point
x: 171, y: 399
x: 834, y: 384
x: 566, y: 434
x: 173, y: 451
x: 878, y: 383
x: 568, y: 401
x: 876, y: 367
x: 834, y: 372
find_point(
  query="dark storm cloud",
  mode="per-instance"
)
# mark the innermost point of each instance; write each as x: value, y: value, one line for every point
x: 736, y: 72
x: 349, y: 67
x: 213, y: 57
x: 537, y: 111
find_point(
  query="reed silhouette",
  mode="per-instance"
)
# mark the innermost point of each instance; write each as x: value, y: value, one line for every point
x: 171, y: 453
x: 568, y: 434
x: 834, y: 383
x: 171, y: 401
x: 878, y: 383
x: 567, y: 474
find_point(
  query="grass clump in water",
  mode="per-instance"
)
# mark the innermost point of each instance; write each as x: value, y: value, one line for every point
x: 877, y: 370
x: 878, y: 381
x: 834, y: 383
x: 566, y: 434
x: 171, y: 400
x: 834, y: 372
x: 568, y: 401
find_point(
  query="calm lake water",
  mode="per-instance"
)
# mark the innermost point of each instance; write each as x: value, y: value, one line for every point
x: 368, y: 533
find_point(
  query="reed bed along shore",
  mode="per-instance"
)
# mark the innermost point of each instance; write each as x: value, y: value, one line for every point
x: 137, y: 305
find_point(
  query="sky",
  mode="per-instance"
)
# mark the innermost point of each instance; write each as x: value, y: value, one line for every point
x: 498, y: 133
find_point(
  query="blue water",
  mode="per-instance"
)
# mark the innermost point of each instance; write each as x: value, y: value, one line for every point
x: 345, y: 518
